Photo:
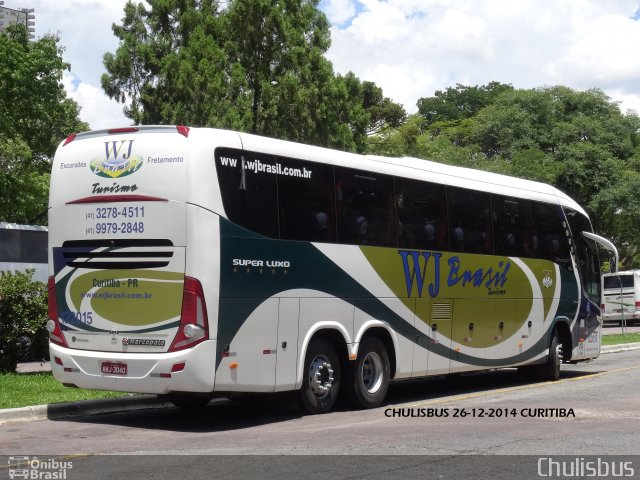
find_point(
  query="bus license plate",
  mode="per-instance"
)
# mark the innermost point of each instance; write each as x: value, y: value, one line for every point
x: 113, y: 368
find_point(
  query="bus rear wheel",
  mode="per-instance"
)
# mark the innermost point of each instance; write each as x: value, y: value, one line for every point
x: 368, y: 379
x: 321, y: 379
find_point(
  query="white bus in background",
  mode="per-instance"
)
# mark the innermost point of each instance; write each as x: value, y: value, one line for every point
x: 24, y: 247
x: 201, y: 262
x: 621, y: 297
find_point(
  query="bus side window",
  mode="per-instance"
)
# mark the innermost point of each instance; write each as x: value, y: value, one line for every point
x: 10, y: 246
x: 34, y: 246
x: 306, y: 201
x: 470, y: 221
x: 365, y: 208
x: 549, y: 236
x: 422, y: 215
x: 512, y: 226
x: 248, y: 187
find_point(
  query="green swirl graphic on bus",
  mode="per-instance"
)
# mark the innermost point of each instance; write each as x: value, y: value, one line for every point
x: 118, y: 161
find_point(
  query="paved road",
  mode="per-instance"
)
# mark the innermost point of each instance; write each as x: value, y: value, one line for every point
x: 602, y: 399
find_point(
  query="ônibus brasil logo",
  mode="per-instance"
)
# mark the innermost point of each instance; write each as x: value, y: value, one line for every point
x: 118, y: 161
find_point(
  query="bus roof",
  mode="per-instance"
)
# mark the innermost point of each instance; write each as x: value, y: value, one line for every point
x: 17, y: 226
x: 626, y: 272
x: 409, y: 167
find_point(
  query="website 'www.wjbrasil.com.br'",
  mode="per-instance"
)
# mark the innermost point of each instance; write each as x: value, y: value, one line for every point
x: 257, y: 166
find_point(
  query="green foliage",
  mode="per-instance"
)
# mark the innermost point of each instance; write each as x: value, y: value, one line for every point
x: 34, y: 104
x: 23, y: 314
x: 254, y: 66
x: 534, y: 164
x: 458, y: 103
x: 24, y: 189
x: 36, y: 116
x: 400, y: 141
x: 383, y: 111
x: 274, y: 42
x: 617, y: 211
x: 171, y: 67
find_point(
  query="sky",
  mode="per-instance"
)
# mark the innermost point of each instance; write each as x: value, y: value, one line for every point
x: 410, y: 48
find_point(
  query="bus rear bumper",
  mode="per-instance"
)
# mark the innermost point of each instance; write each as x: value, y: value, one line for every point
x: 145, y: 372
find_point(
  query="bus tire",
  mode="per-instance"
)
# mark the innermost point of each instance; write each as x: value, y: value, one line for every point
x: 550, y: 370
x: 321, y: 377
x: 367, y: 381
x: 188, y: 402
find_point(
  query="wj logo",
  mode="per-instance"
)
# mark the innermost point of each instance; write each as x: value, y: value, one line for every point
x: 117, y: 161
x: 547, y: 281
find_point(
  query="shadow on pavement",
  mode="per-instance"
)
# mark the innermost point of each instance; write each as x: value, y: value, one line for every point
x: 225, y: 415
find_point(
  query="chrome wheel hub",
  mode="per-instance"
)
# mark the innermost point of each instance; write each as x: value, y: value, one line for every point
x: 372, y: 372
x: 320, y: 376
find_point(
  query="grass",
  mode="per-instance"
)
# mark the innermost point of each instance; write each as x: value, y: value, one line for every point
x: 40, y: 388
x: 615, y: 339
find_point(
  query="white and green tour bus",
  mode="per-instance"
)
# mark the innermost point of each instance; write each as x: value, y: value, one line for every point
x: 197, y: 262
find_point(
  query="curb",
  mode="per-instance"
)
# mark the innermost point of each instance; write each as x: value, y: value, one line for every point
x: 622, y: 347
x: 81, y: 408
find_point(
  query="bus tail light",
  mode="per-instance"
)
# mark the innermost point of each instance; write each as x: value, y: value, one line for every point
x: 53, y: 324
x: 116, y: 131
x: 637, y: 305
x: 194, y: 326
x: 602, y: 307
x: 69, y: 139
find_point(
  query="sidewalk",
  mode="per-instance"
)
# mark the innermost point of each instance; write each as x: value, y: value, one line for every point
x: 33, y: 367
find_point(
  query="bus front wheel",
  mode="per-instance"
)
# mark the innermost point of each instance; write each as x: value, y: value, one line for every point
x: 368, y: 379
x: 550, y: 370
x: 321, y: 379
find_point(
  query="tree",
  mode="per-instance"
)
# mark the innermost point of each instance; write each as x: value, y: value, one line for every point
x: 257, y: 66
x: 617, y: 212
x: 383, y: 111
x: 36, y: 116
x: 459, y: 103
x: 278, y: 41
x: 170, y: 66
